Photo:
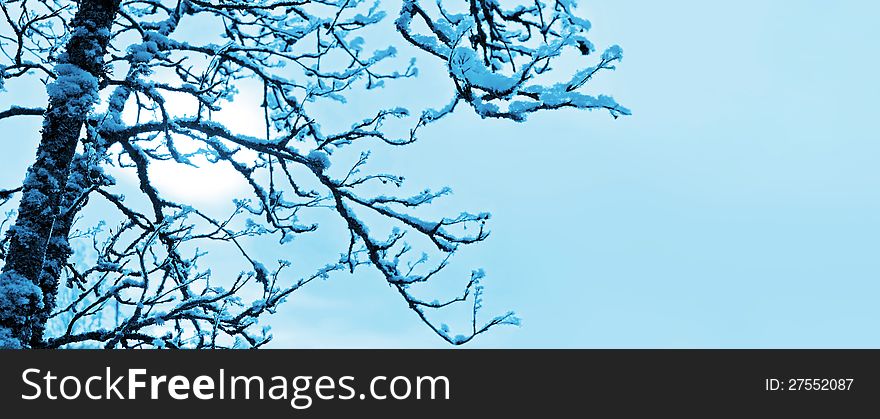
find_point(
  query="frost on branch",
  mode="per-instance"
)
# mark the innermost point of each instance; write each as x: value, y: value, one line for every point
x: 500, y: 55
x: 73, y: 88
x: 156, y: 95
x: 16, y: 293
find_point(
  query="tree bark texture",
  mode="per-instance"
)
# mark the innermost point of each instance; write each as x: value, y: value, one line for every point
x: 38, y: 247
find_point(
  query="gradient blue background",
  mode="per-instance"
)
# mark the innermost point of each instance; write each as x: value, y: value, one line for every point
x: 737, y: 207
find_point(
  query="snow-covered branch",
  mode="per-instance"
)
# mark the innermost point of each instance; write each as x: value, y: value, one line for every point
x: 144, y: 91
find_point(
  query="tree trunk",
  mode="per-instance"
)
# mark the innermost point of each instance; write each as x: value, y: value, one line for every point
x: 26, y: 294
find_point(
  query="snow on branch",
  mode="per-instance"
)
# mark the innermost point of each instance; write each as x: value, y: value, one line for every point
x: 139, y: 278
x: 500, y: 55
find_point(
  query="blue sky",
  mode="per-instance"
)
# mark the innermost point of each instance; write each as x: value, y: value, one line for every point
x: 737, y: 207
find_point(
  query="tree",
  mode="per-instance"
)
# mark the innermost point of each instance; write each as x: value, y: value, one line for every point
x: 126, y: 88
